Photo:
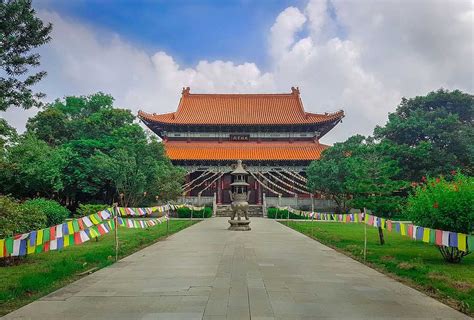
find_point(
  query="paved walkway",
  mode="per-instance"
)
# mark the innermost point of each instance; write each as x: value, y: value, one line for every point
x: 207, y: 272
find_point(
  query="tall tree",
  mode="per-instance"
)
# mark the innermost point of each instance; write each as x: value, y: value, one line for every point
x: 20, y: 32
x: 356, y: 173
x: 432, y: 134
x: 106, y: 154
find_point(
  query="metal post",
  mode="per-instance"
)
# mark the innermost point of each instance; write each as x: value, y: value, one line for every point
x: 365, y: 237
x: 312, y: 226
x: 115, y: 211
x: 168, y: 219
x: 312, y: 203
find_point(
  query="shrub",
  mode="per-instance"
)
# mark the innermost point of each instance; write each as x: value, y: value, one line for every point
x: 55, y: 213
x: 88, y: 209
x: 444, y: 205
x: 274, y: 213
x: 186, y: 213
x: 15, y: 218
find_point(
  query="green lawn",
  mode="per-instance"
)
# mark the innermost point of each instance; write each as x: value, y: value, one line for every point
x: 415, y: 263
x: 40, y: 274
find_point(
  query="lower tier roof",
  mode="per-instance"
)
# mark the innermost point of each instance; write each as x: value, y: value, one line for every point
x: 213, y: 150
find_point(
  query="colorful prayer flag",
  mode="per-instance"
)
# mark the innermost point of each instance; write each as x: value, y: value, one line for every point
x: 453, y: 239
x: 462, y: 242
x: 426, y: 235
x: 439, y: 237
x: 445, y: 238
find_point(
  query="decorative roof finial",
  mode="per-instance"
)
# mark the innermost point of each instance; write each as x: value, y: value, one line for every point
x: 185, y: 91
x: 295, y: 90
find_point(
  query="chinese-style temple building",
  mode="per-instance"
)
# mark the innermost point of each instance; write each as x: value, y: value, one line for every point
x: 271, y: 133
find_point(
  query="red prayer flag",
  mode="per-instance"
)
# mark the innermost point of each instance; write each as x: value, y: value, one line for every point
x: 77, y: 238
x: 101, y: 229
x: 52, y: 233
x: 389, y: 225
x: 46, y: 246
x: 439, y: 237
x: 81, y: 224
x: 410, y: 230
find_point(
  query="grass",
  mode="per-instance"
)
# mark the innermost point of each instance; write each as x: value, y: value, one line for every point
x: 40, y: 274
x: 415, y: 263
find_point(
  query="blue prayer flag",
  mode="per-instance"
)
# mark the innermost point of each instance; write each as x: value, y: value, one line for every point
x: 419, y: 233
x: 32, y: 239
x: 453, y: 239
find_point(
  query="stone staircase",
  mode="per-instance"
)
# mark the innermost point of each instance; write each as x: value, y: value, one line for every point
x: 224, y: 210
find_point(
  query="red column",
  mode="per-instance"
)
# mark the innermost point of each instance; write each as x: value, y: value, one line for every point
x: 219, y: 190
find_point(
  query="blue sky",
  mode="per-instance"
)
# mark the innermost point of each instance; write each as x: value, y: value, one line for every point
x: 361, y: 56
x: 188, y: 30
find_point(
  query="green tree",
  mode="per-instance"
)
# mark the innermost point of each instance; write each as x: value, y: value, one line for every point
x: 431, y: 135
x: 20, y: 32
x: 33, y: 168
x: 94, y: 152
x: 357, y: 174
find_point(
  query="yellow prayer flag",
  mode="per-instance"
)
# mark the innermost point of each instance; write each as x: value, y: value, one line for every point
x: 382, y: 223
x: 70, y: 227
x: 462, y: 240
x: 403, y: 229
x: 39, y: 237
x: 66, y: 241
x: 426, y: 235
x: 2, y: 246
x: 29, y: 248
x: 93, y: 219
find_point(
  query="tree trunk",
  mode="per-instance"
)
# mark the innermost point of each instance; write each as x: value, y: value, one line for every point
x: 451, y: 254
x: 381, y: 238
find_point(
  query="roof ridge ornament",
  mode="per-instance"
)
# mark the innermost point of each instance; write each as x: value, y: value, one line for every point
x: 185, y: 91
x: 295, y: 90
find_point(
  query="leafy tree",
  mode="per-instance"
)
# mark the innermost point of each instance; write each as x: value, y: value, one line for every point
x: 14, y: 218
x: 444, y: 205
x: 82, y: 149
x: 356, y: 173
x: 33, y: 168
x: 432, y: 134
x: 54, y: 212
x: 20, y: 32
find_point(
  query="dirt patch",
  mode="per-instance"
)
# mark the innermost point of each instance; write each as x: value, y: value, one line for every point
x: 437, y: 276
x: 463, y: 286
x: 406, y: 266
x: 387, y: 258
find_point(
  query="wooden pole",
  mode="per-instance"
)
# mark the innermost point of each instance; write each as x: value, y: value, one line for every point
x: 365, y: 236
x: 312, y: 226
x: 116, y: 231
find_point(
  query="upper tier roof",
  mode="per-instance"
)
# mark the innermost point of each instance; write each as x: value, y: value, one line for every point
x: 241, y: 109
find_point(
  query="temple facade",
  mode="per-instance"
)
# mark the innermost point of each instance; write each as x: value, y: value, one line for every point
x: 271, y: 133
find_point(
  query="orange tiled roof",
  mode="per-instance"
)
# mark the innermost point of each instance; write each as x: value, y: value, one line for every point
x: 243, y: 109
x: 228, y: 150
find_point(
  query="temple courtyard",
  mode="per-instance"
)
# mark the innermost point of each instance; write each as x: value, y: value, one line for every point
x: 208, y: 272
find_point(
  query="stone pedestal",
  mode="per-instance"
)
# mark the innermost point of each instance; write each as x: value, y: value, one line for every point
x: 239, y: 225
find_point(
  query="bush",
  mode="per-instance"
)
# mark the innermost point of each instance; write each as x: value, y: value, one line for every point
x: 15, y: 218
x: 88, y: 209
x: 55, y: 213
x: 274, y: 213
x: 186, y: 213
x: 444, y: 205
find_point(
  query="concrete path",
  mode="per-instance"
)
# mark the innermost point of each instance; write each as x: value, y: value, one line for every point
x: 207, y: 272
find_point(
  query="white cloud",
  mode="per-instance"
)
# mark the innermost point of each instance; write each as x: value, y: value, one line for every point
x: 361, y: 56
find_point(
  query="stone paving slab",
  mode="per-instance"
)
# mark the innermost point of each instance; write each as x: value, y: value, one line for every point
x: 208, y: 272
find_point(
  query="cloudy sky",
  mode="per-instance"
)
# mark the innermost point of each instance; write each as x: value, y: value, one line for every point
x: 361, y: 56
